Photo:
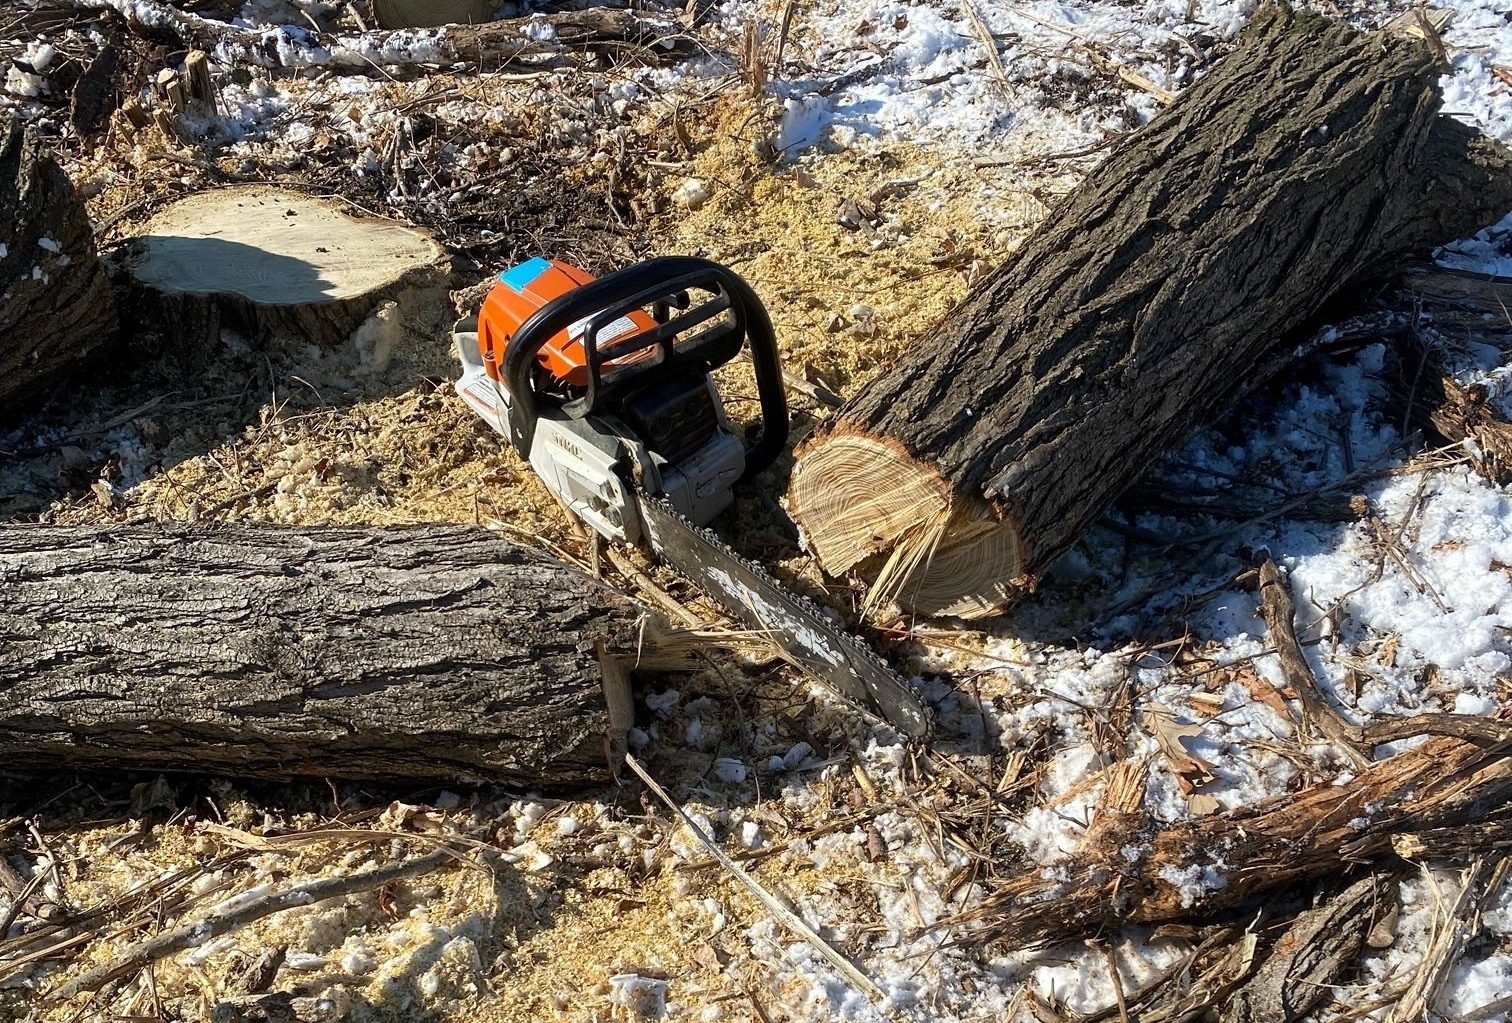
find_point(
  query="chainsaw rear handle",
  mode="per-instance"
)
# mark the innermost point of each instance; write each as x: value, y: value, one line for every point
x: 662, y: 283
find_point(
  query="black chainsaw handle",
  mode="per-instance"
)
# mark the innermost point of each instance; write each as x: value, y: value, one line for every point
x: 662, y: 283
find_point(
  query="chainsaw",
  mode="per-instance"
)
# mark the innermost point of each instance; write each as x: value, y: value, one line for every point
x: 605, y: 386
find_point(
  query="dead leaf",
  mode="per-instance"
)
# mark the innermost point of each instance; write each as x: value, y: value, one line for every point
x: 1191, y: 770
x: 1383, y: 934
x: 1262, y: 691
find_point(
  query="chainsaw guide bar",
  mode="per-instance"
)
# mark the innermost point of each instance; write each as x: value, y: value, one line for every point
x: 798, y: 626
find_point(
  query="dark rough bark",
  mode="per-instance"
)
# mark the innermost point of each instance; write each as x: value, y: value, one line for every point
x: 433, y: 654
x: 1308, y: 960
x: 1308, y: 162
x: 55, y: 320
x: 596, y: 30
x: 96, y: 95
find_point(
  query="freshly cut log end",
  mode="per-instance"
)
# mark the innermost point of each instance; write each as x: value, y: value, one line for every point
x: 274, y: 263
x: 867, y: 505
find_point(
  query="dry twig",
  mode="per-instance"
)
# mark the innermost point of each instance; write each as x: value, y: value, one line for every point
x: 1452, y: 931
x: 1279, y: 613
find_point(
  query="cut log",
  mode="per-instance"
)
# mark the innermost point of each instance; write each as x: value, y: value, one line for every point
x: 540, y: 40
x: 433, y: 13
x: 1201, y: 866
x: 1309, y: 161
x: 434, y: 654
x: 272, y: 263
x: 56, y: 308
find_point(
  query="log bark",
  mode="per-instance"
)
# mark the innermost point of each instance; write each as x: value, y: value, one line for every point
x: 1309, y: 162
x: 516, y: 42
x: 433, y: 13
x: 1202, y: 866
x: 432, y: 654
x: 272, y: 264
x: 56, y: 308
x: 1317, y: 950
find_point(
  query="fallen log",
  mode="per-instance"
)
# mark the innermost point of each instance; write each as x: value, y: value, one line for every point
x: 1310, y: 161
x: 435, y: 654
x: 56, y: 308
x: 1198, y: 867
x: 272, y: 263
x: 537, y: 41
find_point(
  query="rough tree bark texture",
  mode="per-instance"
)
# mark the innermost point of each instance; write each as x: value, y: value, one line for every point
x: 510, y: 41
x: 1201, y: 866
x: 56, y: 308
x: 1317, y: 950
x: 433, y: 654
x: 1310, y: 160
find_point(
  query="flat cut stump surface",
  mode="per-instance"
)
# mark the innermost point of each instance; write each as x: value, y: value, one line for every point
x: 275, y: 248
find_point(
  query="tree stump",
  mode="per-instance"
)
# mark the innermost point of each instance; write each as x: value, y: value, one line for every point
x: 272, y: 264
x: 56, y: 307
x: 436, y: 654
x: 1310, y: 161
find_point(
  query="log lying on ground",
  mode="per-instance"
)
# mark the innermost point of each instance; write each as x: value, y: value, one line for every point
x: 435, y: 655
x: 541, y: 40
x: 1201, y: 866
x: 272, y: 263
x: 433, y: 13
x: 56, y: 307
x: 1310, y: 160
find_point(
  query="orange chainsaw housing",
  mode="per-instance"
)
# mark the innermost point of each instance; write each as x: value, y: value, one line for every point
x: 524, y: 289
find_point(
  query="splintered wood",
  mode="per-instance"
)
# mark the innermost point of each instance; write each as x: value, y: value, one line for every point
x: 1200, y: 866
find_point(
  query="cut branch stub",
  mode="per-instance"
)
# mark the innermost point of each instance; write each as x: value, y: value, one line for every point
x: 273, y: 263
x: 1309, y: 162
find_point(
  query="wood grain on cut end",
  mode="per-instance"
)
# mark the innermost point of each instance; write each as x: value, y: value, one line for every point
x: 868, y: 506
x: 272, y: 261
x: 274, y: 247
x: 857, y: 496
